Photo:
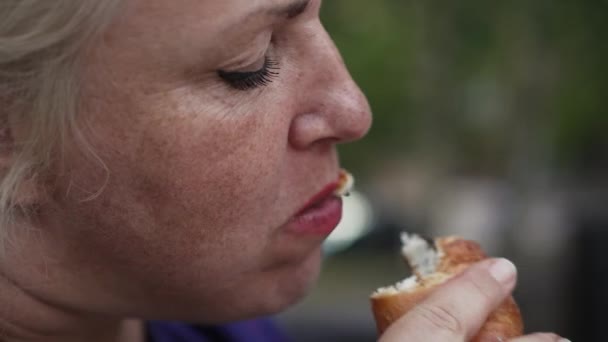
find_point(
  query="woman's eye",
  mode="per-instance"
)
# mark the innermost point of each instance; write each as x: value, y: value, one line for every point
x: 251, y: 79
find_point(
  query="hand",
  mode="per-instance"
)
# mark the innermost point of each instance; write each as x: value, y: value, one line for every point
x: 541, y: 337
x: 458, y: 309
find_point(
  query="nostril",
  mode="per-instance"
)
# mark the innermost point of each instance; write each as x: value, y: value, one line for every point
x: 308, y: 129
x: 336, y: 124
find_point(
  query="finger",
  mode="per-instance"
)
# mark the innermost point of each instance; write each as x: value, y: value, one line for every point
x: 458, y: 309
x: 461, y: 308
x: 540, y: 337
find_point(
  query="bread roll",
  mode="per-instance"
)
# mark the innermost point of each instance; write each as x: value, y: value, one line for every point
x: 346, y: 181
x: 433, y: 263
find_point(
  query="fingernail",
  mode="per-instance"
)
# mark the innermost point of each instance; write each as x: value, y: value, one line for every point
x: 503, y: 270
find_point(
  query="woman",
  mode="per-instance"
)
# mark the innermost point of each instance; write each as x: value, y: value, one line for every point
x: 173, y: 160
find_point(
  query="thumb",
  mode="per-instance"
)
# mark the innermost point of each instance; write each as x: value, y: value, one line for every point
x: 457, y: 310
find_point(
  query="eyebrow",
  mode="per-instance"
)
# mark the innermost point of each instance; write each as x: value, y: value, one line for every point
x: 286, y: 10
x: 290, y: 10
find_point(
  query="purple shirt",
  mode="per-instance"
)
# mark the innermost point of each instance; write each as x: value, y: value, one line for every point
x: 261, y: 330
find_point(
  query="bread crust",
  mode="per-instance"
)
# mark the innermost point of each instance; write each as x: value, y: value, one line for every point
x: 458, y: 254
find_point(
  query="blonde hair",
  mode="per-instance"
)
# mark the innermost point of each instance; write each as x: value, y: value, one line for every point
x: 40, y: 45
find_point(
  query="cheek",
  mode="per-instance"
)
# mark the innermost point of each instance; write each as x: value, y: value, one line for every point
x: 230, y: 170
x: 210, y: 181
x: 189, y: 200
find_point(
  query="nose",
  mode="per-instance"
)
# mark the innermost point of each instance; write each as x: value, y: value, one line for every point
x: 333, y: 108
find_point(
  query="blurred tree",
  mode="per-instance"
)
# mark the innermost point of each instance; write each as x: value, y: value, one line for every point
x: 490, y: 87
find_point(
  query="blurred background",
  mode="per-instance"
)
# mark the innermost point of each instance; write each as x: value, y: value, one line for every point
x: 490, y: 123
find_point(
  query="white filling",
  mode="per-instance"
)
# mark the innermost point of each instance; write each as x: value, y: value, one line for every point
x: 405, y: 285
x: 422, y: 257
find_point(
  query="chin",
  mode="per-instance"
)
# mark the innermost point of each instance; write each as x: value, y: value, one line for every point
x: 292, y: 285
x: 264, y: 294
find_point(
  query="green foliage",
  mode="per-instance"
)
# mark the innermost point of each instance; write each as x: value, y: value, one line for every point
x: 484, y: 82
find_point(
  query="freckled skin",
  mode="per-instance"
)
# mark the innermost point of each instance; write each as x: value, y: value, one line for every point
x: 201, y: 177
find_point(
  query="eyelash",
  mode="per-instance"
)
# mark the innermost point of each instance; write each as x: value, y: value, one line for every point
x: 251, y: 79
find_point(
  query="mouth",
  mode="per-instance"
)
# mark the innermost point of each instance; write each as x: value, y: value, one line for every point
x: 322, y: 213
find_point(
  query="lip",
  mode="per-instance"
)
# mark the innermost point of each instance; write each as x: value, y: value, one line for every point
x: 327, y: 191
x: 320, y: 215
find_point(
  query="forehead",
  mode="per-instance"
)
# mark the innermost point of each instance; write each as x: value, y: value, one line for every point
x: 204, y: 23
x: 174, y: 30
x: 210, y: 12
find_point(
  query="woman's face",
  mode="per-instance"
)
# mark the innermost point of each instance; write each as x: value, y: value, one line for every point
x: 217, y: 122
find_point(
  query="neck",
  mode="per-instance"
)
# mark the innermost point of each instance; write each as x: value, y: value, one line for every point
x: 25, y: 318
